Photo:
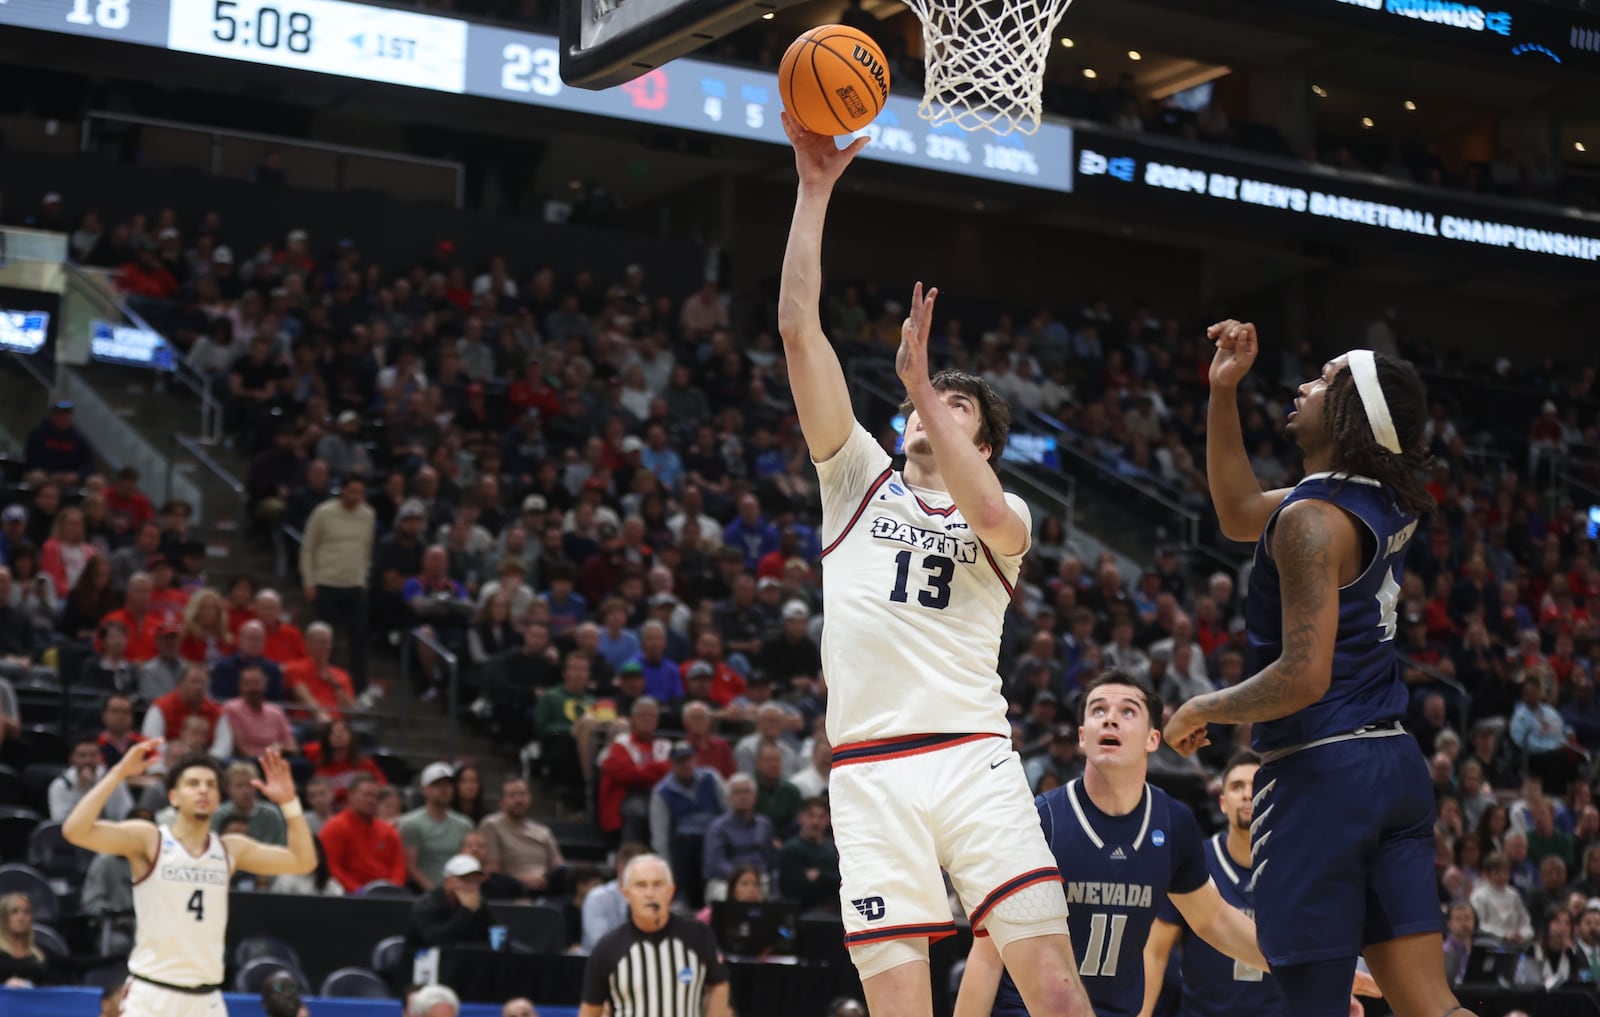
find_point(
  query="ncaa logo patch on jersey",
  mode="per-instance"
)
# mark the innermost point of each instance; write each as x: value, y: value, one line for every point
x: 686, y: 976
x: 896, y: 488
x: 1158, y: 837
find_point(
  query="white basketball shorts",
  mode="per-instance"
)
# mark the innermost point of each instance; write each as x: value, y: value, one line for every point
x: 142, y: 999
x: 903, y: 808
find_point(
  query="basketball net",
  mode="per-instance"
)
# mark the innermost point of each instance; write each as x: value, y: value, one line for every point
x: 985, y: 61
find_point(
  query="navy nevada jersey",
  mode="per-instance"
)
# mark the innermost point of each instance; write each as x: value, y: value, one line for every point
x: 1214, y: 984
x: 1366, y: 686
x: 1118, y: 871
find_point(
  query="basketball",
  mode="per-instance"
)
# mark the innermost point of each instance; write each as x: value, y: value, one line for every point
x: 834, y: 80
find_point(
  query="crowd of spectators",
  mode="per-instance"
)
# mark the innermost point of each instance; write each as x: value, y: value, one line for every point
x: 596, y: 496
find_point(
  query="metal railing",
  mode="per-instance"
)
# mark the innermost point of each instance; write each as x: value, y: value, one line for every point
x: 205, y: 458
x: 222, y: 151
x: 424, y: 637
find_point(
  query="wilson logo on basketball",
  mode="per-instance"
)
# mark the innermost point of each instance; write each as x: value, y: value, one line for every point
x: 867, y: 59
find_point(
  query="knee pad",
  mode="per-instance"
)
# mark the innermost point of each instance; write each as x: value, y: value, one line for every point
x: 1033, y: 911
x: 876, y: 958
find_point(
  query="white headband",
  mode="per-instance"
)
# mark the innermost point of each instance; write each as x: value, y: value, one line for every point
x: 1364, y: 369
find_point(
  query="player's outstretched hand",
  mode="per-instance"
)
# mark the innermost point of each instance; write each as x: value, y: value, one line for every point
x: 1236, y: 351
x: 139, y: 758
x: 278, y: 788
x: 816, y: 157
x: 1186, y: 731
x: 911, y: 362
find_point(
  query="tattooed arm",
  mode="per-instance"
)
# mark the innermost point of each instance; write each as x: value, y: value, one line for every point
x: 1313, y: 543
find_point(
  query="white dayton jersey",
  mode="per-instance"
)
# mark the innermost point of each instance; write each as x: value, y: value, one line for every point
x: 914, y: 605
x: 181, y: 911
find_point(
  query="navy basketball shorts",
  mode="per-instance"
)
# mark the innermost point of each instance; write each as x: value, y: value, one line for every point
x: 1342, y: 845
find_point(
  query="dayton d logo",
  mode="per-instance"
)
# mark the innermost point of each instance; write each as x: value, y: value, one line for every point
x: 871, y: 908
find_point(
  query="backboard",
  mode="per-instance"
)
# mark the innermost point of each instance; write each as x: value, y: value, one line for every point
x: 607, y: 42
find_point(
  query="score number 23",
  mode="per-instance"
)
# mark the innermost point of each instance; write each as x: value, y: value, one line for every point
x: 530, y: 70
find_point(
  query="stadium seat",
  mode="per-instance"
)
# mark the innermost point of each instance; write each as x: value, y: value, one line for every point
x: 395, y: 769
x: 252, y: 947
x: 16, y: 825
x: 254, y: 975
x: 36, y: 783
x: 39, y: 699
x: 44, y: 744
x: 354, y: 983
x: 51, y: 942
x: 542, y: 928
x: 382, y: 888
x: 109, y: 975
x: 16, y: 877
x: 388, y: 953
x: 50, y: 852
x: 11, y: 790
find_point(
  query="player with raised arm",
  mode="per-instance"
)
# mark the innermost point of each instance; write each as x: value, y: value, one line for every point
x: 1125, y: 849
x: 181, y: 874
x: 1214, y: 984
x: 919, y: 567
x: 1342, y: 837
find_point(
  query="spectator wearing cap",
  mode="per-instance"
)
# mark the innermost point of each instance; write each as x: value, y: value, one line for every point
x: 159, y: 675
x: 13, y: 531
x: 58, y: 448
x: 518, y: 845
x: 682, y: 807
x: 750, y: 532
x: 147, y: 277
x: 740, y: 836
x: 432, y: 834
x: 726, y: 683
x: 257, y: 725
x: 790, y: 653
x: 633, y: 765
x: 342, y: 450
x: 250, y: 652
x: 1060, y: 765
x: 335, y: 559
x: 138, y: 619
x: 452, y: 913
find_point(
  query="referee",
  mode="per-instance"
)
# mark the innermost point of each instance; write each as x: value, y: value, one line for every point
x: 657, y: 964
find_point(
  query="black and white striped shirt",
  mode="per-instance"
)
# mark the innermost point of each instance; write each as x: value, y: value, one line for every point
x: 654, y: 974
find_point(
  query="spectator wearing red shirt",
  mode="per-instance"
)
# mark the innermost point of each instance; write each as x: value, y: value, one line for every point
x: 633, y: 765
x: 165, y: 717
x: 284, y: 643
x: 206, y: 635
x: 241, y: 603
x: 139, y: 619
x: 145, y: 276
x: 314, y: 682
x: 534, y: 392
x: 166, y: 599
x: 359, y: 846
x: 124, y: 498
x: 709, y: 749
x: 339, y: 759
x: 726, y: 683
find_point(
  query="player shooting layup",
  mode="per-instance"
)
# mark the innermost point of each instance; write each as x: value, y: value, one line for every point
x: 181, y: 873
x: 1342, y: 838
x: 919, y: 568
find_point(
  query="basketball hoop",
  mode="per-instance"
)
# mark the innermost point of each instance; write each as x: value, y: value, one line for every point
x: 985, y: 61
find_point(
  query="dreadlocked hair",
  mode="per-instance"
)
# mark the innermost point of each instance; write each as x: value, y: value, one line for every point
x: 1357, y: 451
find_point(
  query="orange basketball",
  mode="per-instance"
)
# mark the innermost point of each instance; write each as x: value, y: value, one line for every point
x: 834, y: 80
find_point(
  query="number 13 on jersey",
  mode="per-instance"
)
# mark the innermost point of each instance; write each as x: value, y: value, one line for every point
x: 935, y: 572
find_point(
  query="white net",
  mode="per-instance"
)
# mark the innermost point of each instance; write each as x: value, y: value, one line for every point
x: 985, y: 61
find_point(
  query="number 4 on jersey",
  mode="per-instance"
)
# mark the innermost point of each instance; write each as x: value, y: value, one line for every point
x: 197, y: 904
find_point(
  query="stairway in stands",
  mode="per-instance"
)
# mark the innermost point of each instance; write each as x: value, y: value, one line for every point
x: 418, y: 732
